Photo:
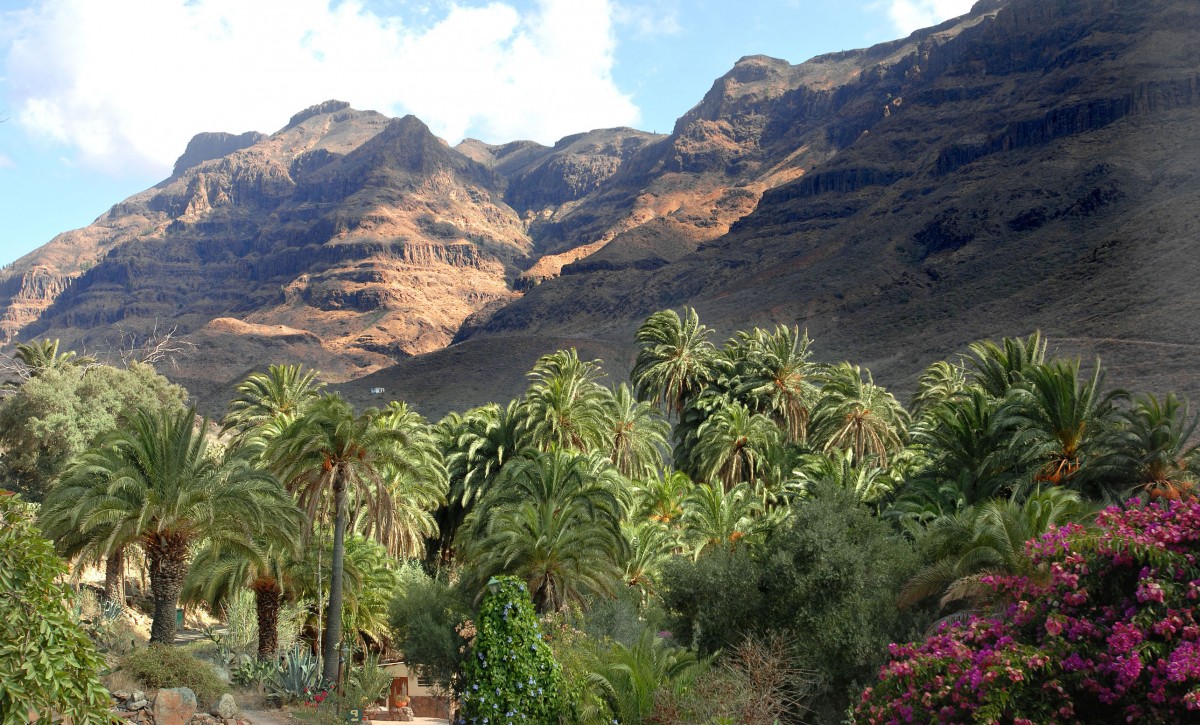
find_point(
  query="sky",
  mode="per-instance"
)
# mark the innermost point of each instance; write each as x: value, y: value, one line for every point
x: 98, y: 98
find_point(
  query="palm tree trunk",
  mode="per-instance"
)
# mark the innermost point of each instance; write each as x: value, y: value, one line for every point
x: 333, y: 616
x: 168, y: 567
x: 266, y: 604
x: 114, y: 577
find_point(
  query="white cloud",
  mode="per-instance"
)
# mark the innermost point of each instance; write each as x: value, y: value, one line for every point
x: 6, y: 162
x: 910, y: 15
x: 126, y: 83
x: 650, y: 20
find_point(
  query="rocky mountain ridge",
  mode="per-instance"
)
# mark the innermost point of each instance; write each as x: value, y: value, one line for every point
x: 1023, y: 166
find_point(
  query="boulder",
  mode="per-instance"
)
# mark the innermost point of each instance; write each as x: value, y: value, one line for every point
x: 174, y: 706
x: 226, y: 708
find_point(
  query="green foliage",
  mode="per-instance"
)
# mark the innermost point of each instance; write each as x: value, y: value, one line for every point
x: 830, y: 575
x: 253, y: 673
x: 511, y: 674
x: 295, y: 678
x: 628, y: 677
x: 425, y: 617
x: 58, y: 413
x: 47, y: 663
x: 366, y: 683
x: 162, y: 665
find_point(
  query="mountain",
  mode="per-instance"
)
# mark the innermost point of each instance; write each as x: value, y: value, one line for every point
x: 1028, y: 165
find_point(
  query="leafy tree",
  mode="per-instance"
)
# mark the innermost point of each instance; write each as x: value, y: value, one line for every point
x: 425, y: 617
x: 63, y: 410
x: 331, y: 450
x: 829, y: 575
x: 48, y: 665
x: 165, y: 489
x: 511, y: 674
x: 675, y: 361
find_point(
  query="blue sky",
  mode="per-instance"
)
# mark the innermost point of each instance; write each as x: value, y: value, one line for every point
x: 99, y: 98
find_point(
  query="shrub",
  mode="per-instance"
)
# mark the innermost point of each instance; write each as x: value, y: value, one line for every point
x: 164, y: 666
x: 425, y: 618
x: 47, y: 663
x: 511, y: 674
x: 1110, y: 633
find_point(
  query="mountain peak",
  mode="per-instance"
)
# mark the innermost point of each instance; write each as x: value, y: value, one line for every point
x: 330, y: 106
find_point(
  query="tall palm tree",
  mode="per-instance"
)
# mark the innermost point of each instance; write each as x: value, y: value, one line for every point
x: 42, y: 355
x: 329, y: 453
x: 169, y: 491
x: 1059, y: 423
x: 996, y: 368
x: 839, y: 469
x: 857, y: 415
x: 963, y: 446
x: 279, y: 395
x: 661, y: 498
x: 775, y: 377
x: 476, y: 445
x: 648, y: 546
x: 675, y: 361
x: 989, y: 539
x: 732, y: 445
x: 638, y: 434
x: 565, y: 407
x: 416, y: 488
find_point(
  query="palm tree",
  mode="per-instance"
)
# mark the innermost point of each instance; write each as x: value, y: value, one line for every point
x: 732, y: 445
x: 279, y: 395
x: 553, y: 519
x: 648, y: 545
x: 1059, y: 424
x: 218, y: 573
x: 989, y: 540
x: 661, y: 499
x: 996, y: 368
x: 1152, y: 452
x: 775, y: 377
x: 627, y: 677
x: 675, y: 360
x: 371, y: 581
x: 565, y: 407
x: 416, y: 488
x: 167, y: 490
x: 963, y: 446
x: 329, y: 450
x: 714, y: 517
x: 839, y: 469
x: 476, y: 446
x: 855, y: 414
x: 941, y: 382
x: 638, y: 435
x: 42, y: 355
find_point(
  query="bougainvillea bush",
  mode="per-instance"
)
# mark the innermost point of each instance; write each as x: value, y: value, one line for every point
x: 510, y: 675
x: 1109, y: 633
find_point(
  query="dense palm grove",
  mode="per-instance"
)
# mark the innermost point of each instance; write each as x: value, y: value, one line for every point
x: 734, y: 536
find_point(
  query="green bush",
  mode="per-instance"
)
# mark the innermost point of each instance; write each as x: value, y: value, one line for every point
x: 511, y: 674
x: 164, y: 666
x: 47, y: 663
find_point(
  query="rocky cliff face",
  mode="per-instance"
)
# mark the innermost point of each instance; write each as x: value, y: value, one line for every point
x: 1027, y: 165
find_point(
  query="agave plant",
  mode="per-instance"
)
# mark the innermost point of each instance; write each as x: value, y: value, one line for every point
x: 296, y: 677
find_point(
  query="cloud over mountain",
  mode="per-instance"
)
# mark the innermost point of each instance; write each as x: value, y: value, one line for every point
x: 96, y: 78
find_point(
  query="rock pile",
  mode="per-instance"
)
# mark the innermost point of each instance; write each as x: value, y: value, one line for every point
x: 173, y: 706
